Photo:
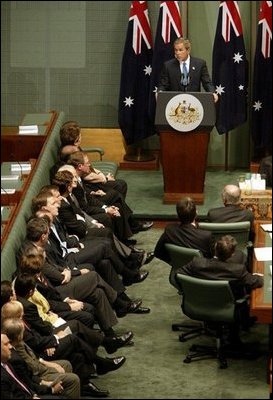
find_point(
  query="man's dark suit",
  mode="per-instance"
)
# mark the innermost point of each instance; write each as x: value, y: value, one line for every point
x: 10, y: 389
x: 102, y: 298
x: 230, y: 213
x: 98, y: 251
x: 219, y: 270
x: 92, y: 205
x: 170, y: 78
x: 68, y: 348
x: 184, y: 235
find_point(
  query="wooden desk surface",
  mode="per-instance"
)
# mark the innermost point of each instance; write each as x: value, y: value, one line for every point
x: 261, y: 298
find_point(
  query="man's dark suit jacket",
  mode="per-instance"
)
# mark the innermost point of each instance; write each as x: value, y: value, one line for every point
x: 232, y: 213
x: 213, y: 269
x: 170, y: 77
x: 10, y: 389
x: 187, y: 236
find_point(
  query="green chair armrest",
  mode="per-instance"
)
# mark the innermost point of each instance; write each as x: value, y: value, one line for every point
x: 94, y: 150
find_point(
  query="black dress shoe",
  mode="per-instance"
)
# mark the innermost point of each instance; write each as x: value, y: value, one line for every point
x: 130, y: 242
x: 141, y: 277
x: 112, y: 344
x: 149, y: 257
x: 109, y: 364
x: 90, y: 389
x: 144, y: 226
x: 131, y: 306
x: 136, y: 250
x: 142, y: 310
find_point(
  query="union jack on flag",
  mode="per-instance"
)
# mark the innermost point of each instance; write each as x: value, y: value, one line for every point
x: 230, y: 68
x: 262, y: 84
x: 169, y: 28
x: 136, y: 69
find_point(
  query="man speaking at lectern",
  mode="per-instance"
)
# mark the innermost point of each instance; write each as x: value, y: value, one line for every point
x: 185, y: 73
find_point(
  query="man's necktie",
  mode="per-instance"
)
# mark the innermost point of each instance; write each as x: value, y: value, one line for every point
x: 184, y: 79
x: 11, y: 373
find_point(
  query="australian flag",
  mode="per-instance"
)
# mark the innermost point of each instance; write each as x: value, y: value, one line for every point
x: 230, y: 68
x: 169, y: 28
x: 262, y: 84
x: 136, y: 70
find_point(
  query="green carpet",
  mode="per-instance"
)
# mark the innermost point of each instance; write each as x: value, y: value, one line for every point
x: 154, y: 368
x: 145, y: 192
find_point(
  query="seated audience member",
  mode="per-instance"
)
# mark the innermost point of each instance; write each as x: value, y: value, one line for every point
x: 58, y: 345
x: 76, y: 222
x: 86, y: 199
x: 7, y: 292
x: 77, y: 281
x: 185, y: 233
x: 231, y: 212
x: 265, y: 169
x: 32, y: 261
x: 52, y: 377
x: 220, y: 268
x: 70, y: 136
x: 12, y: 387
x: 96, y: 250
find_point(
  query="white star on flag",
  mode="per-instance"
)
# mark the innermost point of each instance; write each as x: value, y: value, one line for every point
x: 220, y: 89
x: 238, y: 57
x: 241, y: 87
x: 148, y: 69
x: 128, y: 101
x: 257, y: 105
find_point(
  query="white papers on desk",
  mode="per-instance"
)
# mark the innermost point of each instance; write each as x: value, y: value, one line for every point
x: 267, y: 227
x: 20, y: 167
x: 10, y: 177
x: 28, y: 130
x: 7, y: 191
x: 263, y: 253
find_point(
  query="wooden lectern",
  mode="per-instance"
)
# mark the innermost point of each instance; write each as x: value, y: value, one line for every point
x: 184, y: 121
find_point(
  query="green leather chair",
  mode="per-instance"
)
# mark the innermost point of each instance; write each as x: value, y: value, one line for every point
x: 213, y: 303
x: 239, y: 230
x: 104, y: 166
x: 180, y: 256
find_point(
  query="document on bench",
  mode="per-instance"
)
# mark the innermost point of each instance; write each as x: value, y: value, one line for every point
x: 267, y: 227
x: 7, y: 191
x: 10, y: 177
x: 28, y: 130
x: 263, y: 253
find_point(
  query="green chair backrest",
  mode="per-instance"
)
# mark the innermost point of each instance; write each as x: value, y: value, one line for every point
x: 179, y: 256
x: 239, y: 230
x: 206, y: 300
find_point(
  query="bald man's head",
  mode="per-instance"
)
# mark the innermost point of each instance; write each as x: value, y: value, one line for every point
x: 231, y: 194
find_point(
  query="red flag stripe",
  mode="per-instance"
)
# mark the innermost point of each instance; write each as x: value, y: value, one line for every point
x: 141, y: 29
x: 265, y: 19
x: 231, y: 18
x: 170, y: 19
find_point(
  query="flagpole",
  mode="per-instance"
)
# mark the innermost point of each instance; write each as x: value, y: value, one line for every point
x: 226, y: 151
